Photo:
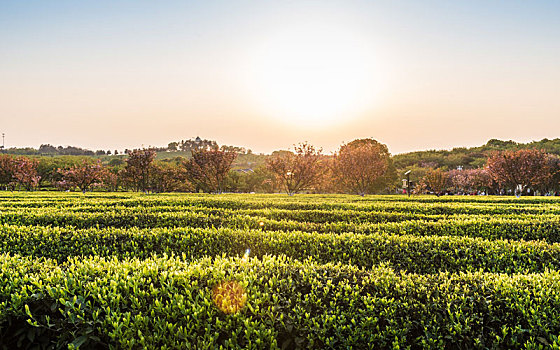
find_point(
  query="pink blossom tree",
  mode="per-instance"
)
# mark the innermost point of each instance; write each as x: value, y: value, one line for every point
x: 25, y: 173
x: 83, y: 175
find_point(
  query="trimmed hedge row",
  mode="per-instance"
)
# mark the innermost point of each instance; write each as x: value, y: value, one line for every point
x: 165, y: 303
x: 416, y: 254
x: 396, y: 204
x: 545, y: 227
x: 312, y: 216
x: 153, y: 219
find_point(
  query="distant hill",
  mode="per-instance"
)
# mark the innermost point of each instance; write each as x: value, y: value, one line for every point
x: 174, y: 152
x: 472, y: 157
x: 243, y: 160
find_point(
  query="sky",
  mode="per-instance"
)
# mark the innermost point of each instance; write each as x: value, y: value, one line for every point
x: 268, y: 74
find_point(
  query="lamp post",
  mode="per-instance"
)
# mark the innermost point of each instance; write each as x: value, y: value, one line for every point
x: 407, y: 173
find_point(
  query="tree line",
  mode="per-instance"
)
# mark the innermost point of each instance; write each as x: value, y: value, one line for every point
x: 363, y: 166
x: 521, y: 172
x: 179, y: 146
x: 209, y: 169
x: 472, y: 157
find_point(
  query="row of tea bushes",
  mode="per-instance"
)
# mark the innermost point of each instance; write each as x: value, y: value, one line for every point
x: 543, y: 227
x: 166, y: 303
x: 151, y: 219
x: 430, y: 254
x: 396, y: 204
x: 395, y: 208
x: 311, y: 216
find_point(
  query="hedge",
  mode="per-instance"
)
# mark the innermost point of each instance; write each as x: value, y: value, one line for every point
x: 417, y: 254
x: 167, y: 303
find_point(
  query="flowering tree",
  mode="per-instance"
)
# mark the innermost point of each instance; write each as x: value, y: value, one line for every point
x: 470, y: 180
x: 6, y: 170
x: 359, y: 165
x: 82, y: 176
x: 137, y: 170
x: 25, y: 173
x: 111, y: 179
x: 527, y: 168
x: 553, y: 181
x: 460, y: 180
x: 208, y: 169
x: 299, y: 170
x: 435, y: 180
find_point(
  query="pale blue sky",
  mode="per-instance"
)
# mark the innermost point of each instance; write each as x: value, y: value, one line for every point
x: 118, y: 74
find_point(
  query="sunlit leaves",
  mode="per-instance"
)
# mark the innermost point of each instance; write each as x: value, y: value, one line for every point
x: 360, y: 166
x: 83, y: 176
x: 208, y: 169
x: 299, y: 170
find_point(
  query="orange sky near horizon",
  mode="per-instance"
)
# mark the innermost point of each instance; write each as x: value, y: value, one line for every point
x: 115, y: 75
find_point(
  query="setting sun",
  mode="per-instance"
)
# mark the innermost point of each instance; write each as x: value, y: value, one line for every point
x: 314, y: 74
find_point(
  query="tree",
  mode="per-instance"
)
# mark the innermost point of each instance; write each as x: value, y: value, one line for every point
x: 82, y: 175
x: 298, y: 170
x: 168, y: 177
x: 470, y: 180
x: 326, y: 181
x: 137, y: 170
x: 435, y: 180
x: 360, y: 165
x: 6, y: 170
x: 172, y: 146
x: 111, y: 179
x: 460, y: 180
x: 25, y: 173
x: 481, y: 180
x: 48, y: 149
x: 527, y: 168
x: 197, y: 144
x: 261, y: 180
x: 552, y: 182
x: 207, y: 170
x: 47, y: 168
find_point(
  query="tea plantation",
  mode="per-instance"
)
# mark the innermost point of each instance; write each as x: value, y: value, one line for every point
x: 189, y: 271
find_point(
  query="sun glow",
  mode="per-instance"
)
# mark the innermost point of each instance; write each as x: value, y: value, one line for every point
x: 314, y: 74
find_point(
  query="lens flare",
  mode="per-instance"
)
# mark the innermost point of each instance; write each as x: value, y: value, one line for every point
x: 229, y: 297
